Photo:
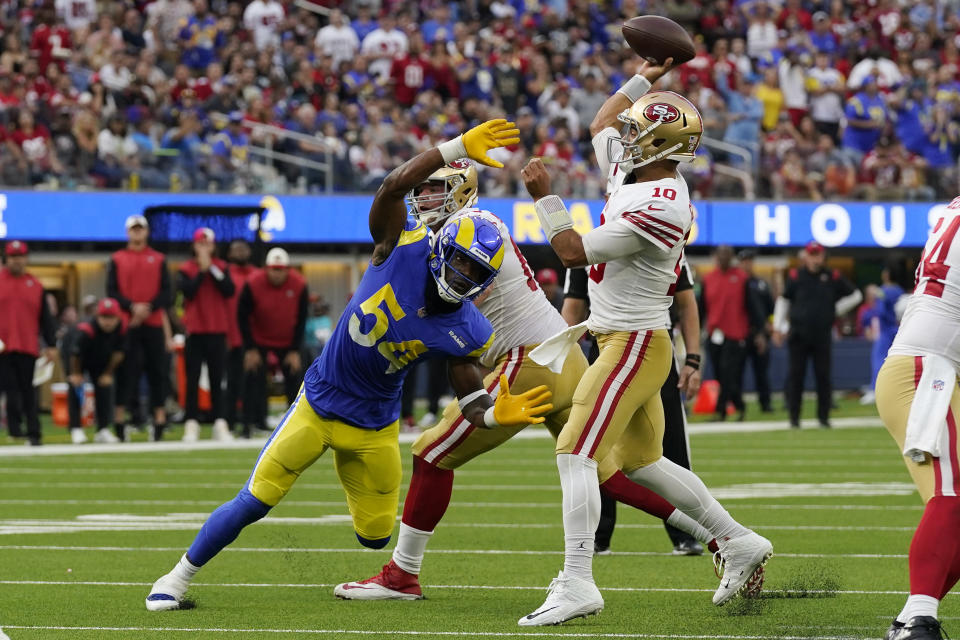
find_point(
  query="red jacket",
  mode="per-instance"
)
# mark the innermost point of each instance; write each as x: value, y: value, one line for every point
x: 23, y: 314
x: 139, y: 276
x: 273, y: 317
x: 239, y: 274
x: 206, y: 307
x: 725, y: 301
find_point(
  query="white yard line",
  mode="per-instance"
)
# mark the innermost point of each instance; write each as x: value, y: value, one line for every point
x: 507, y: 552
x: 460, y: 634
x: 540, y: 587
x: 15, y: 451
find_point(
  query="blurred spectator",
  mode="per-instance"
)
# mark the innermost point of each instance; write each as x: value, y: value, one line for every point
x: 383, y: 44
x: 117, y: 152
x: 229, y: 153
x: 940, y: 148
x: 769, y: 94
x: 826, y: 89
x: 411, y: 73
x: 31, y: 145
x: 319, y: 327
x: 272, y: 313
x: 793, y: 79
x: 883, y: 322
x: 238, y: 256
x: 760, y: 309
x: 201, y: 36
x: 744, y: 114
x: 337, y: 39
x: 206, y: 285
x: 76, y: 14
x: 263, y: 18
x: 866, y: 115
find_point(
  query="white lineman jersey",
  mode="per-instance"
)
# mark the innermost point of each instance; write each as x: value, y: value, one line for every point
x: 634, y: 292
x: 516, y: 306
x: 931, y: 322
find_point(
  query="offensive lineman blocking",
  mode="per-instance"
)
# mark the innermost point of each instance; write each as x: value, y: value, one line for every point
x: 617, y: 412
x: 919, y: 402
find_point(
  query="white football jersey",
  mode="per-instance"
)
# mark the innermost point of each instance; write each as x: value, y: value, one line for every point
x: 514, y: 304
x: 76, y: 14
x: 633, y: 293
x: 931, y: 322
x: 263, y: 19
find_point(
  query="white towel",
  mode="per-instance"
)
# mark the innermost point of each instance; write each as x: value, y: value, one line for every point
x: 927, y: 422
x: 552, y: 352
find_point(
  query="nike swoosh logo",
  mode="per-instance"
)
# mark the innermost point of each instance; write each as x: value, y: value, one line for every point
x: 539, y: 613
x: 653, y: 208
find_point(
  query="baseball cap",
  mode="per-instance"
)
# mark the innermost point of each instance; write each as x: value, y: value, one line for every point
x: 136, y: 220
x: 547, y: 276
x: 747, y: 254
x: 814, y: 248
x: 108, y: 307
x: 17, y: 248
x: 204, y: 234
x: 236, y: 117
x: 277, y: 258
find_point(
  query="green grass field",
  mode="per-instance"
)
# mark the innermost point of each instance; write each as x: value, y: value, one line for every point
x: 84, y: 536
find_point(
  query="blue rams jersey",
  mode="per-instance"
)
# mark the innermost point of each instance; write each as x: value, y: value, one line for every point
x: 359, y: 375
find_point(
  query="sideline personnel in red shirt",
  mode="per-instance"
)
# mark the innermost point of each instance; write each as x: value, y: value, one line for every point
x: 272, y: 313
x: 724, y: 302
x: 138, y: 279
x: 238, y: 257
x: 24, y: 315
x: 207, y: 288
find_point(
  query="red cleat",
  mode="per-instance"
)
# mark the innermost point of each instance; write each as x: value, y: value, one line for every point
x: 392, y: 583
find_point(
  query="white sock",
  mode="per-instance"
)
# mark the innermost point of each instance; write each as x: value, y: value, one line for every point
x: 411, y: 544
x: 685, y: 523
x: 919, y: 606
x: 185, y: 570
x: 581, y: 512
x: 684, y: 490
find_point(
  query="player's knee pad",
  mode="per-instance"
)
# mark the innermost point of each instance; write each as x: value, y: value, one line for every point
x: 377, y: 543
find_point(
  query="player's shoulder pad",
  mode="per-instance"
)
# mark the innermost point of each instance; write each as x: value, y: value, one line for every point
x: 413, y: 232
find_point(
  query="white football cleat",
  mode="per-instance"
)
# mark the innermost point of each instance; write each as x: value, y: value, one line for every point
x: 740, y: 559
x: 166, y: 593
x: 567, y: 598
x: 191, y: 431
x: 221, y: 431
x: 77, y: 436
x: 105, y: 436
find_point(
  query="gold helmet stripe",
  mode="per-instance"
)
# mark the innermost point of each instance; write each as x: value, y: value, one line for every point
x: 497, y: 258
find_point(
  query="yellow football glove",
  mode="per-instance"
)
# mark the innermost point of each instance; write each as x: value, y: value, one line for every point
x: 524, y: 408
x: 490, y: 135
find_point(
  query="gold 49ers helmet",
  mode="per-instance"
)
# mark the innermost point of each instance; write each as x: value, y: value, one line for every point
x: 459, y: 180
x: 660, y: 125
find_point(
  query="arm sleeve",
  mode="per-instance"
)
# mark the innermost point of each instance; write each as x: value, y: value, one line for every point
x: 47, y: 323
x: 600, y: 148
x: 244, y: 309
x: 113, y: 288
x: 611, y: 241
x: 300, y: 329
x: 189, y: 285
x: 576, y: 284
x: 162, y: 299
x: 685, y: 277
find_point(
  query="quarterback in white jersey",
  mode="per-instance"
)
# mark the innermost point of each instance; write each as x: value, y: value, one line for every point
x: 522, y: 318
x: 635, y: 257
x: 919, y: 401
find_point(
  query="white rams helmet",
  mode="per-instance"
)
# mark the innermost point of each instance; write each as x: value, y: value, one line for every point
x: 662, y: 125
x: 459, y: 179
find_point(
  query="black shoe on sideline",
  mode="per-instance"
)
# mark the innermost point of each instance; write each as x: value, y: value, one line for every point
x: 794, y: 424
x: 825, y: 424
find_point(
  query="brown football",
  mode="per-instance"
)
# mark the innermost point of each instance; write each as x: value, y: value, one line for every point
x: 658, y: 38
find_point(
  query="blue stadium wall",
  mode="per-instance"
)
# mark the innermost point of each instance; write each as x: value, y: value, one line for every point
x: 99, y: 216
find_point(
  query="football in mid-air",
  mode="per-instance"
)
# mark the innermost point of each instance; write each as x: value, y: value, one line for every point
x: 658, y: 38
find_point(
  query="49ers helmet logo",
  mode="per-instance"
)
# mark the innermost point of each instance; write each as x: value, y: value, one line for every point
x: 661, y: 111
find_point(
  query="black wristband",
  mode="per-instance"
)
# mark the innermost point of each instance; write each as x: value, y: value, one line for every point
x: 692, y: 361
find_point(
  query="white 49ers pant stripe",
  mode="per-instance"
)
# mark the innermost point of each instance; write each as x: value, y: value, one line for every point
x: 610, y: 393
x: 460, y: 428
x: 945, y: 468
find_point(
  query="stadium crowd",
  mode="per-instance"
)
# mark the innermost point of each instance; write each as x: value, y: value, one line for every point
x: 832, y: 99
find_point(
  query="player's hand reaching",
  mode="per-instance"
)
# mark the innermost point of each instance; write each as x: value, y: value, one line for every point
x: 528, y: 407
x: 492, y: 134
x: 653, y: 71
